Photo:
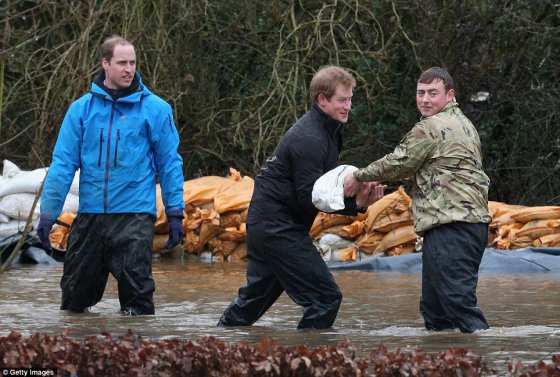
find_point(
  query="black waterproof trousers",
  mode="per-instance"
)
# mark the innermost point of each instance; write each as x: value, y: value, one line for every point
x: 451, y: 255
x: 99, y: 244
x: 282, y: 257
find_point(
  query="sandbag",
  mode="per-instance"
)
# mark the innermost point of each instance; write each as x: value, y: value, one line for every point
x: 18, y: 206
x: 236, y: 197
x: 23, y: 182
x: 398, y: 201
x: 328, y: 190
x: 11, y: 227
x: 203, y: 190
x: 10, y: 170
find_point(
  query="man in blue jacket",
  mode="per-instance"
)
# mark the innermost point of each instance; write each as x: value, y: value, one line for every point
x: 120, y: 135
x: 281, y: 254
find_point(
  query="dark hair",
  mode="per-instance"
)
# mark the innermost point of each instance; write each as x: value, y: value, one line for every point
x: 437, y: 73
x: 327, y: 78
x: 109, y: 44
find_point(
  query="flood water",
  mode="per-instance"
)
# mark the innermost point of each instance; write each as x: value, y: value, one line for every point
x: 523, y: 311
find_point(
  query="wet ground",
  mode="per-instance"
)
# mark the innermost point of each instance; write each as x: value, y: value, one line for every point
x: 522, y: 309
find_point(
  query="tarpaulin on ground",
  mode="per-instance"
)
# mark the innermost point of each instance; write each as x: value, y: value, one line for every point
x: 531, y: 259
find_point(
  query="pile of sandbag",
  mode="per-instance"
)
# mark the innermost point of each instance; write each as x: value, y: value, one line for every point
x: 216, y: 210
x: 215, y: 213
x: 517, y: 227
x: 386, y: 229
x: 18, y: 189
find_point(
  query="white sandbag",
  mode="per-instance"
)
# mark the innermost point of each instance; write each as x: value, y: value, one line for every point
x: 330, y: 246
x: 17, y: 206
x: 10, y: 169
x: 328, y: 190
x: 4, y: 218
x: 25, y: 181
x: 71, y: 203
x: 334, y: 241
x: 11, y: 227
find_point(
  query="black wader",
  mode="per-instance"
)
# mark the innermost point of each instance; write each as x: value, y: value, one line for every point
x: 282, y: 257
x: 451, y: 255
x: 99, y: 244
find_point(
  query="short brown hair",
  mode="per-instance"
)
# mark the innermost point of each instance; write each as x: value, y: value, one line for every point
x: 327, y: 78
x: 109, y: 44
x: 437, y: 73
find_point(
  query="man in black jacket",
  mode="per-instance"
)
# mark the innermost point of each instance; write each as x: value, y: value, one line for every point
x: 281, y: 255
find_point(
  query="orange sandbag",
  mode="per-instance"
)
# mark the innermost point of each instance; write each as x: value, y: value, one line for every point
x: 236, y: 197
x: 538, y: 228
x: 550, y: 240
x: 401, y: 249
x: 390, y: 220
x: 369, y: 241
x: 403, y: 235
x: 159, y: 242
x: 240, y: 252
x: 497, y: 209
x: 348, y: 232
x: 203, y: 190
x: 327, y: 220
x: 232, y: 219
x: 348, y: 254
x: 222, y: 247
x: 536, y: 213
x: 398, y: 201
x: 234, y: 234
x: 194, y: 219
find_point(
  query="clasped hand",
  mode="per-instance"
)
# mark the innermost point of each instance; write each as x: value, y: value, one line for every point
x: 366, y: 193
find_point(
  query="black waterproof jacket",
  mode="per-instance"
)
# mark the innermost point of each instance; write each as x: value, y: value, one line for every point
x: 283, y: 187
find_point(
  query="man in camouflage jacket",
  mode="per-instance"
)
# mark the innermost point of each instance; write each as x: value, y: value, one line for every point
x: 450, y: 202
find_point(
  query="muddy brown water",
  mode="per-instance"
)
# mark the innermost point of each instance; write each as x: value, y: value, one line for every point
x: 522, y: 309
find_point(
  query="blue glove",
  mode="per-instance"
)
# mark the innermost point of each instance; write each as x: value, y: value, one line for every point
x: 175, y: 224
x: 44, y: 229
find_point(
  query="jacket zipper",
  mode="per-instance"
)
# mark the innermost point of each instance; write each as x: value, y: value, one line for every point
x: 108, y: 159
x: 100, y: 147
x: 117, y: 146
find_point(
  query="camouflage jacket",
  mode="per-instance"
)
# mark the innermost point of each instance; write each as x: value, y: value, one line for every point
x: 443, y: 154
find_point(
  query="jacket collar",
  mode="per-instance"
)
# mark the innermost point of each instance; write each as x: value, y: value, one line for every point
x: 331, y: 125
x: 131, y: 94
x: 450, y: 105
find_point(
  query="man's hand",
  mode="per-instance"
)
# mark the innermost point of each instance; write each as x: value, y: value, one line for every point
x: 175, y: 225
x: 44, y: 230
x: 351, y: 185
x: 369, y: 193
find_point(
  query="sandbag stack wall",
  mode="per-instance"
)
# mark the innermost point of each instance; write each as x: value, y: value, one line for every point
x: 517, y: 227
x: 216, y: 210
x: 18, y: 190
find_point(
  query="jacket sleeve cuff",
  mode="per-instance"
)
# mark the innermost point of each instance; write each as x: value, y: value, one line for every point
x: 174, y: 213
x: 46, y: 216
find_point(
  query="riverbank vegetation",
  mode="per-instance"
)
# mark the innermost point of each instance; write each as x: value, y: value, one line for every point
x: 132, y: 355
x: 236, y: 73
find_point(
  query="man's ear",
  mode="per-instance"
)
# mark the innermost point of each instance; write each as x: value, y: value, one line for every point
x: 450, y: 95
x: 104, y: 63
x: 321, y: 99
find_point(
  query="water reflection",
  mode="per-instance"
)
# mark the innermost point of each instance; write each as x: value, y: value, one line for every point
x: 377, y: 307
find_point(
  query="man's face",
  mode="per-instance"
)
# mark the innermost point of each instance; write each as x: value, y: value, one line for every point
x: 119, y: 72
x: 431, y: 98
x: 338, y: 106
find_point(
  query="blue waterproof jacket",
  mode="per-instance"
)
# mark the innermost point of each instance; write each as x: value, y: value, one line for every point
x: 119, y: 146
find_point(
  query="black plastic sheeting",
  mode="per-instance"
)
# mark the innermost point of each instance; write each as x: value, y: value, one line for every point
x: 31, y: 252
x: 531, y: 259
